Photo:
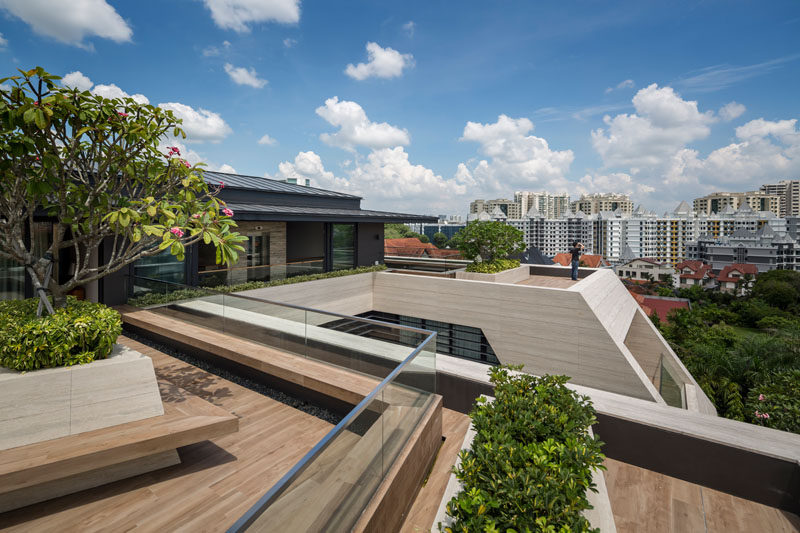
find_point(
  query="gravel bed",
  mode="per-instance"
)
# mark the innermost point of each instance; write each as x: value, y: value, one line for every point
x: 291, y: 401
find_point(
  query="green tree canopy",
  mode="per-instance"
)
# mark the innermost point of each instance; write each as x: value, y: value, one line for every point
x: 439, y: 239
x: 97, y: 169
x: 489, y: 240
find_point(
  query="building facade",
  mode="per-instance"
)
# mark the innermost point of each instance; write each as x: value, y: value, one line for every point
x: 592, y: 204
x: 510, y: 208
x: 788, y: 192
x: 644, y: 268
x: 549, y: 205
x: 765, y: 248
x: 757, y: 200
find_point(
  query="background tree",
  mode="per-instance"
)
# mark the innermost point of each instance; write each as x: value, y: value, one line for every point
x: 422, y: 238
x: 489, y: 240
x: 94, y: 167
x: 439, y: 239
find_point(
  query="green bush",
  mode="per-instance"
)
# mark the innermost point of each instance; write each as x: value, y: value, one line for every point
x: 531, y: 461
x: 775, y: 402
x: 493, y: 267
x: 155, y: 298
x: 776, y: 322
x: 76, y: 334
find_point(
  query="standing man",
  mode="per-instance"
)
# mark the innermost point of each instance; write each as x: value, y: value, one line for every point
x: 575, y: 251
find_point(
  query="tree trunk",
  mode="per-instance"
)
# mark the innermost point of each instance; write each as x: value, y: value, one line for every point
x: 59, y: 296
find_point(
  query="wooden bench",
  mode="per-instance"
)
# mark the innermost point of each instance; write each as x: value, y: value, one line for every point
x: 44, y: 470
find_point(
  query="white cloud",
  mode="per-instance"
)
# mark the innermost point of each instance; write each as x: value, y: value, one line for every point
x: 309, y: 165
x: 289, y: 42
x: 76, y: 80
x: 516, y: 159
x: 731, y: 110
x: 225, y: 168
x: 243, y: 76
x: 112, y: 91
x: 618, y: 182
x: 214, y: 51
x: 625, y: 84
x: 718, y: 77
x: 355, y: 129
x: 383, y: 63
x: 237, y: 15
x: 200, y: 125
x: 765, y: 151
x: 663, y: 124
x: 3, y: 41
x: 409, y: 28
x: 71, y: 22
x: 267, y: 140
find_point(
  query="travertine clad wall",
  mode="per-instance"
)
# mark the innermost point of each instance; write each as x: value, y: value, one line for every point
x: 277, y: 247
x: 551, y: 331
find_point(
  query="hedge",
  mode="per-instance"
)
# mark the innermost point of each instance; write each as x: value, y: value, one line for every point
x: 76, y: 334
x: 532, y: 459
x: 154, y: 298
x: 493, y: 267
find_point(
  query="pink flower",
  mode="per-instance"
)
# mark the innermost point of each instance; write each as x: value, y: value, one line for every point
x: 221, y: 184
x: 196, y: 215
x: 174, y: 150
x: 761, y: 397
x: 178, y: 232
x: 758, y: 414
x: 186, y: 164
x: 120, y: 113
x: 765, y: 415
x: 227, y: 212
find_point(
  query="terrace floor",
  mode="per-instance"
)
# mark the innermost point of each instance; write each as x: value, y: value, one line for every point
x: 217, y: 480
x: 643, y: 500
x: 553, y: 282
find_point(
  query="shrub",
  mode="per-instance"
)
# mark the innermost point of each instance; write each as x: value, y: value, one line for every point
x: 154, y: 298
x: 76, y: 334
x: 489, y: 240
x: 775, y: 322
x: 493, y: 267
x: 531, y: 461
x: 775, y: 403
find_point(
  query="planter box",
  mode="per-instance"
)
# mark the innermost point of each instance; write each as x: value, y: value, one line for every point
x: 512, y: 275
x: 57, y: 402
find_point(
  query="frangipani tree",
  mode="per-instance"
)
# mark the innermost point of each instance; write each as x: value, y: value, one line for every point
x: 489, y: 240
x: 96, y: 168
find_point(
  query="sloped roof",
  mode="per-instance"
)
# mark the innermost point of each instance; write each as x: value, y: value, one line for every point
x: 533, y: 212
x: 254, y: 183
x: 682, y: 208
x: 245, y: 211
x: 498, y: 213
x: 662, y: 307
x: 742, y: 268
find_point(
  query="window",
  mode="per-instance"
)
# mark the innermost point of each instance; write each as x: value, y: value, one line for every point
x: 343, y: 250
x: 162, y: 266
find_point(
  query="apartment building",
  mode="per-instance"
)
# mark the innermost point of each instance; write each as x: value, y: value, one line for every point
x: 788, y: 192
x: 510, y: 208
x: 591, y: 204
x: 646, y: 234
x: 550, y: 205
x: 766, y: 249
x: 756, y: 200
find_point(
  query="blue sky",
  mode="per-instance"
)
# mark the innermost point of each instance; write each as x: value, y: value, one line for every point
x: 423, y: 106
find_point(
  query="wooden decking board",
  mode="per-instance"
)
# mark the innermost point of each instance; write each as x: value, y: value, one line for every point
x: 216, y: 482
x: 423, y: 511
x: 643, y: 500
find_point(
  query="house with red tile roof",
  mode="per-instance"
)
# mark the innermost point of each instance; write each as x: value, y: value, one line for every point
x: 736, y: 276
x: 694, y: 273
x: 413, y: 247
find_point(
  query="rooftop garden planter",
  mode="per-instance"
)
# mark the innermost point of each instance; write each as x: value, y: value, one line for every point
x: 78, y: 333
x: 498, y: 271
x: 532, y: 460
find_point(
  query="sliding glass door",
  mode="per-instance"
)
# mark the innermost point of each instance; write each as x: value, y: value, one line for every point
x: 343, y: 237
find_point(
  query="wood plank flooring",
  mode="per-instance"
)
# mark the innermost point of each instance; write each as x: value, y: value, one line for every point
x: 423, y: 511
x: 553, y: 282
x: 643, y: 500
x: 216, y: 482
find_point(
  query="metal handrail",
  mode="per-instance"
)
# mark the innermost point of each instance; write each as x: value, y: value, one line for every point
x: 252, y: 514
x: 291, y: 306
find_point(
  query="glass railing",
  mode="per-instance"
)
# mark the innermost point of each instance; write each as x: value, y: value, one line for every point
x: 671, y: 386
x: 271, y: 272
x: 329, y: 488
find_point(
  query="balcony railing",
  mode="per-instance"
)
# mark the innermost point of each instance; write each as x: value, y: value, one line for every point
x: 275, y: 271
x: 329, y: 488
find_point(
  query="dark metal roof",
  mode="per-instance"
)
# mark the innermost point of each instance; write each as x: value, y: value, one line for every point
x: 253, y: 183
x: 283, y: 212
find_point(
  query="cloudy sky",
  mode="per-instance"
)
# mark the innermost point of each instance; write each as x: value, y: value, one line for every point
x: 424, y: 105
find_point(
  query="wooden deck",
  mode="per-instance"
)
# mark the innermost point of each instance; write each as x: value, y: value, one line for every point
x: 217, y: 480
x: 553, y: 282
x: 643, y: 500
x: 423, y: 512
